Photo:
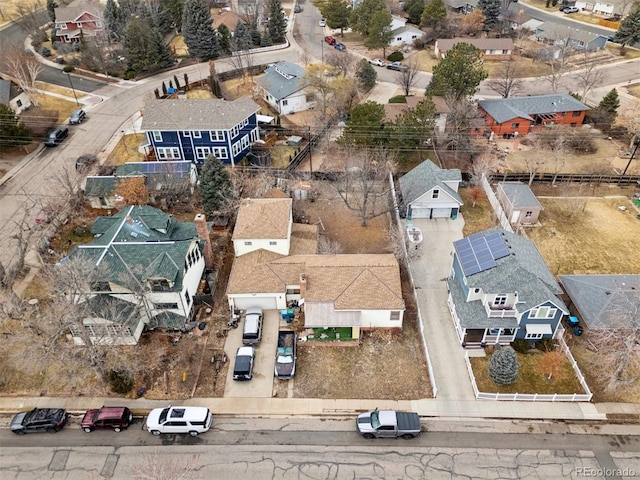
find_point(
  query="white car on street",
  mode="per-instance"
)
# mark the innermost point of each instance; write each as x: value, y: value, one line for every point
x: 191, y: 420
x: 377, y: 62
x: 322, y: 23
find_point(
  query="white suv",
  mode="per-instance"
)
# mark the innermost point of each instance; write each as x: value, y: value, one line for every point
x: 191, y: 420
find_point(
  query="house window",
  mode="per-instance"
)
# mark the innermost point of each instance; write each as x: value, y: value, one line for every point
x: 515, y: 125
x: 505, y: 52
x: 399, y: 39
x: 500, y: 300
x: 533, y: 336
x: 166, y: 306
x: 202, y: 152
x: 576, y: 114
x: 248, y: 244
x: 528, y: 214
x: 542, y: 312
x: 476, y: 290
x: 235, y: 131
x: 19, y: 103
x: 436, y: 193
x: 63, y: 26
x: 216, y: 136
x: 285, y: 103
x: 273, y: 242
x: 160, y: 285
x: 100, y: 287
x: 395, y: 316
x: 196, y: 134
x: 186, y: 134
x: 157, y: 136
x: 169, y: 153
x: 508, y: 331
x: 220, y: 153
x: 564, y: 114
x: 255, y: 135
x: 235, y: 149
x: 187, y: 298
x: 293, y: 291
x: 245, y: 142
x: 574, y: 124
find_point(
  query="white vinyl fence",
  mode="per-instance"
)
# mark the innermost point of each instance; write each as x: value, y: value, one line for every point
x: 495, y: 204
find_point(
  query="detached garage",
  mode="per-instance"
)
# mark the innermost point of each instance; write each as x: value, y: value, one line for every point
x: 269, y: 302
x: 431, y: 192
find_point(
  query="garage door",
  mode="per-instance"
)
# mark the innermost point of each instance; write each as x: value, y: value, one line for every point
x: 266, y: 303
x: 440, y: 213
x: 420, y: 212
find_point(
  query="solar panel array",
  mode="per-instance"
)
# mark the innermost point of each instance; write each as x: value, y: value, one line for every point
x: 479, y: 252
x: 164, y: 167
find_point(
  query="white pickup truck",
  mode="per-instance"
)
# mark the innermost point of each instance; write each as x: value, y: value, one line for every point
x: 388, y: 423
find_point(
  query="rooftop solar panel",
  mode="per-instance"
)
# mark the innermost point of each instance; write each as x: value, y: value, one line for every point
x: 496, y: 245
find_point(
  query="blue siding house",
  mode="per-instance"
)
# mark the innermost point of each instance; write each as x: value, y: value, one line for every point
x: 190, y: 129
x: 500, y: 289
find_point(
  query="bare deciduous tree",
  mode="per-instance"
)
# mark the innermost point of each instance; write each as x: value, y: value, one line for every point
x: 558, y: 63
x: 407, y: 77
x: 363, y: 182
x: 326, y: 246
x: 24, y: 69
x: 589, y: 75
x: 508, y: 79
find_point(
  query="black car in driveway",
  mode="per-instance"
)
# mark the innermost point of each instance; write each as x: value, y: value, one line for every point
x: 113, y: 418
x: 39, y: 420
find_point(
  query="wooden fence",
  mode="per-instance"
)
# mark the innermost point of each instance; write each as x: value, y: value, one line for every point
x: 565, y: 178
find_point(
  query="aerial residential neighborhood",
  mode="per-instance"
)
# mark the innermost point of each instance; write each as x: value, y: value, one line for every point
x: 377, y: 232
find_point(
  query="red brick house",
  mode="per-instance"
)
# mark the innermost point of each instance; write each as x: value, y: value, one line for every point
x: 521, y: 115
x: 80, y: 16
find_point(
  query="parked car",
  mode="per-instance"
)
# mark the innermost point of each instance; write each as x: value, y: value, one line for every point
x: 377, y: 62
x: 388, y: 423
x: 114, y: 418
x: 56, y: 136
x: 570, y: 10
x: 322, y: 22
x: 85, y: 161
x: 297, y: 9
x: 252, y: 329
x: 39, y: 420
x: 397, y: 66
x: 285, y: 367
x: 340, y: 47
x: 191, y: 420
x: 243, y: 367
x: 330, y: 40
x: 77, y: 116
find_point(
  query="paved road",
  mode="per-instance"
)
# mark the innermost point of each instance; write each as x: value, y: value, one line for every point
x: 313, y: 448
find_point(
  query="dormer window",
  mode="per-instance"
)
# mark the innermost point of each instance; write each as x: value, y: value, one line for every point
x: 160, y: 285
x: 435, y: 194
x: 500, y: 301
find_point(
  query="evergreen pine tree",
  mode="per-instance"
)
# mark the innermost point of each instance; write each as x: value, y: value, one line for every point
x: 336, y: 13
x: 241, y: 37
x: 503, y: 366
x: 164, y: 88
x: 12, y: 132
x: 629, y: 31
x: 490, y: 10
x: 610, y: 102
x: 277, y: 22
x: 112, y: 20
x: 174, y: 8
x: 255, y: 34
x: 146, y: 48
x: 199, y: 35
x: 215, y: 185
x: 434, y: 14
x: 51, y: 9
x: 175, y: 79
x: 266, y: 39
x: 414, y: 10
x: 186, y: 81
x: 224, y: 39
x: 366, y: 75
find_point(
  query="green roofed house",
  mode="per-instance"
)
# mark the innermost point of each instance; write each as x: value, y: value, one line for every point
x: 148, y: 269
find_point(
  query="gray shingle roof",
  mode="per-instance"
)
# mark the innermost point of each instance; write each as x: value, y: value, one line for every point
x: 519, y: 194
x: 523, y: 271
x: 555, y: 31
x: 424, y: 177
x: 605, y: 301
x: 473, y: 314
x: 77, y: 8
x: 100, y: 186
x: 196, y: 114
x: 504, y: 109
x: 114, y: 309
x: 5, y: 91
x: 283, y: 79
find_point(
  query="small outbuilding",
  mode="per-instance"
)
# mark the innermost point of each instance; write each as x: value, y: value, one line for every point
x: 519, y: 203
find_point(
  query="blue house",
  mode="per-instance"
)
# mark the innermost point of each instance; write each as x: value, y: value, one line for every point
x: 500, y: 290
x: 190, y: 129
x: 562, y: 36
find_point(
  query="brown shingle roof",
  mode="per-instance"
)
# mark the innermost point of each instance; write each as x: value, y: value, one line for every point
x: 262, y: 218
x: 392, y: 110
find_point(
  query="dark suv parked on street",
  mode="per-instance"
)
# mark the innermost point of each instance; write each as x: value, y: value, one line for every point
x: 56, y: 136
x: 115, y: 418
x: 39, y: 420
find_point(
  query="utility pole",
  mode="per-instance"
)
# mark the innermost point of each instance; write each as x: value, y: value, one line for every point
x: 637, y: 142
x: 74, y: 90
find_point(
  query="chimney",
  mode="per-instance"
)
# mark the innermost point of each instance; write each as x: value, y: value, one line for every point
x: 203, y: 233
x: 303, y: 285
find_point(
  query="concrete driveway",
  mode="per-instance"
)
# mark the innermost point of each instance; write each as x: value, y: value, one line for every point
x: 261, y: 386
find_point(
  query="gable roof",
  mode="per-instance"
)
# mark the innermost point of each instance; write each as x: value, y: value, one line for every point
x: 5, y: 91
x: 447, y: 44
x: 605, y: 301
x: 76, y: 9
x: 523, y: 270
x: 282, y: 79
x: 425, y: 176
x: 520, y: 195
x: 392, y: 110
x: 556, y: 31
x: 263, y: 218
x: 138, y: 243
x: 461, y: 3
x: 503, y: 109
x: 196, y: 114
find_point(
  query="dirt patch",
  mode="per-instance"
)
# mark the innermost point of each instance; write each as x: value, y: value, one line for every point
x: 126, y: 150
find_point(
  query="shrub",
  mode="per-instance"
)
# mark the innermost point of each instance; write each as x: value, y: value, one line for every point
x: 121, y: 380
x: 395, y: 57
x: 398, y: 99
x: 45, y: 52
x: 60, y: 60
x: 419, y: 43
x: 68, y: 69
x: 521, y: 346
x: 113, y: 73
x: 129, y: 74
x: 503, y: 366
x: 56, y: 45
x: 74, y: 61
x: 546, y: 345
x: 39, y: 38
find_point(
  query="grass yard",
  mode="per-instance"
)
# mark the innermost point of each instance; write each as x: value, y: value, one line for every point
x: 127, y: 150
x: 527, y: 67
x: 200, y: 93
x: 476, y: 218
x: 532, y: 375
x: 588, y: 235
x: 634, y: 90
x: 178, y: 46
x: 63, y: 107
x: 49, y: 87
x: 331, y: 334
x: 281, y: 155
